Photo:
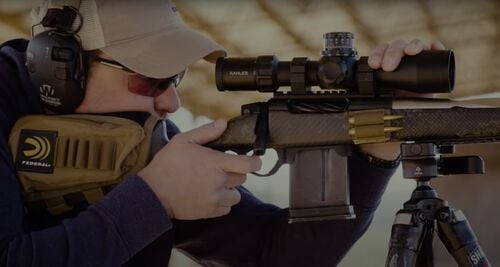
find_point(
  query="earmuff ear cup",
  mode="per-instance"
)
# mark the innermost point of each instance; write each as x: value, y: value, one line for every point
x: 57, y: 69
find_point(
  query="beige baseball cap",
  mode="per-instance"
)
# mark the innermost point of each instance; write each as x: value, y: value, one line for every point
x: 147, y: 36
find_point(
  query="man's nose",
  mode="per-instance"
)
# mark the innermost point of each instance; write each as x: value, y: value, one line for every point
x: 169, y: 101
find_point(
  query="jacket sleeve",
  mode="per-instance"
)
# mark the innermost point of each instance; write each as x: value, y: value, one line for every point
x: 107, y: 234
x: 258, y: 234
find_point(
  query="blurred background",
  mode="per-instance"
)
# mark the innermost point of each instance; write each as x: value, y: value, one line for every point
x: 294, y: 28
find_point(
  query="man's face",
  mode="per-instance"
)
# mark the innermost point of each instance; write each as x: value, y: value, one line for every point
x: 111, y: 88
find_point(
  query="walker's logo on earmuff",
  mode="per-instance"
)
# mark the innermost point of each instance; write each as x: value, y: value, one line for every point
x: 47, y: 94
x: 36, y: 151
x: 46, y: 90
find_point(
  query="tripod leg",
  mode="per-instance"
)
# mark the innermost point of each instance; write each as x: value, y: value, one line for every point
x: 407, y: 235
x: 459, y: 239
x: 426, y: 253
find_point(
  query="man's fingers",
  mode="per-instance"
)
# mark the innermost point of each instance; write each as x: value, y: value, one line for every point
x: 415, y: 46
x: 388, y: 56
x: 220, y: 211
x: 203, y: 134
x: 393, y: 55
x: 226, y: 198
x: 437, y: 46
x: 235, y: 179
x: 375, y: 59
x: 229, y: 197
x: 239, y: 164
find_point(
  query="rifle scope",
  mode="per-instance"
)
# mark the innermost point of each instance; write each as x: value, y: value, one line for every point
x: 339, y: 67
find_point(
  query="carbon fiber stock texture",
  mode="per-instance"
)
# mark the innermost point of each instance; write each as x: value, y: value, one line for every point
x: 457, y: 125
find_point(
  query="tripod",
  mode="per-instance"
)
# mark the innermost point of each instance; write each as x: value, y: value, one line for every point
x: 413, y: 228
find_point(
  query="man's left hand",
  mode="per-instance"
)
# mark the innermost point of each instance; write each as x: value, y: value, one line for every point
x: 388, y: 57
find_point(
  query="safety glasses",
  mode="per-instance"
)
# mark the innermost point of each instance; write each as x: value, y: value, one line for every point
x: 142, y: 85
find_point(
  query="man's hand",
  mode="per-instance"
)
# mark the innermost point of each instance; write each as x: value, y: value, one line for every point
x: 194, y: 182
x: 388, y: 57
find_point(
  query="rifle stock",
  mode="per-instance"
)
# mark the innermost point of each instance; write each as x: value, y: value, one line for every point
x: 450, y: 125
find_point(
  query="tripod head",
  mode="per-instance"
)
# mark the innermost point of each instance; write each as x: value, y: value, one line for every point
x: 424, y: 161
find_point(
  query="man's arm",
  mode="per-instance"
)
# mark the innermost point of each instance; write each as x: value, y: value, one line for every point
x: 107, y: 234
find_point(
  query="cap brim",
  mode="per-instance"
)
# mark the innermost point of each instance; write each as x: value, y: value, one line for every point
x: 166, y: 53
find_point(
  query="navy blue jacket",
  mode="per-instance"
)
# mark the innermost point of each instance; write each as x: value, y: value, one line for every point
x: 130, y: 226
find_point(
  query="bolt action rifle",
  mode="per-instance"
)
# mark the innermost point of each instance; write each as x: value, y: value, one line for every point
x: 314, y: 130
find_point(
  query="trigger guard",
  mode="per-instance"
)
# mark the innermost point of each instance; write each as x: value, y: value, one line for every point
x: 273, y: 171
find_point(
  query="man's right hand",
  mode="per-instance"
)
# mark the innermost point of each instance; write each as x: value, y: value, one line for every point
x: 195, y: 182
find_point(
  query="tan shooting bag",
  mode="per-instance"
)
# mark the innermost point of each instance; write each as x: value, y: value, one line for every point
x: 62, y: 159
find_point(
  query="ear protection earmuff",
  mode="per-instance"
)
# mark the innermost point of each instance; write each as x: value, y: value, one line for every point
x: 56, y: 61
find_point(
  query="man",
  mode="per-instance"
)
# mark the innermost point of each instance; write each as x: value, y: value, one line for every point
x: 188, y: 196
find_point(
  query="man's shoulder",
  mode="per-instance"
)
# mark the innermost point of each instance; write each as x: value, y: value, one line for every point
x: 18, y: 97
x: 13, y: 54
x: 19, y: 44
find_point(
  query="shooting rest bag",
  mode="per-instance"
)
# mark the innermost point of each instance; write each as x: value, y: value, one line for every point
x: 66, y: 159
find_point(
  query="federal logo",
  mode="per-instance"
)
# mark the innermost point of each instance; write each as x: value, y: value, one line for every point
x: 36, y: 151
x: 41, y: 147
